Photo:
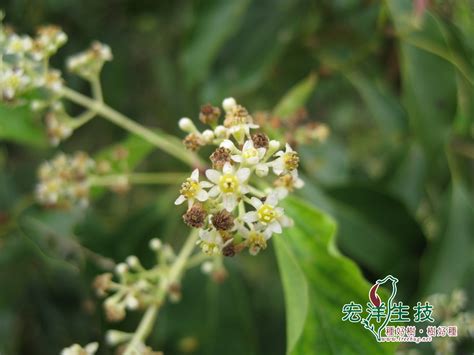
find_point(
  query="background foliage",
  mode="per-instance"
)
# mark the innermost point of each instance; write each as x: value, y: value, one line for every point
x: 394, y: 81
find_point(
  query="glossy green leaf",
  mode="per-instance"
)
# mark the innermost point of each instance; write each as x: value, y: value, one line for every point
x: 17, y: 124
x: 296, y: 296
x: 333, y: 280
x: 296, y: 97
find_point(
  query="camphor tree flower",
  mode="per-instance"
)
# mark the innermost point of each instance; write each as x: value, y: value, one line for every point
x: 270, y: 218
x: 229, y: 185
x: 192, y: 189
x: 237, y: 212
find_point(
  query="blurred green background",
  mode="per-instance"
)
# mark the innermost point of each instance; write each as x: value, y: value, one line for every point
x: 395, y: 86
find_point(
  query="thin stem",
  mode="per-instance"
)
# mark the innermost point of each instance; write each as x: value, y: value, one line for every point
x: 97, y: 89
x: 160, y: 140
x: 82, y: 119
x: 149, y: 318
x: 139, y: 178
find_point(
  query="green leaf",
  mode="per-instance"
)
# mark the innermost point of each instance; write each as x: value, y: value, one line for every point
x: 391, y: 245
x: 17, y: 125
x: 217, y: 22
x: 385, y: 108
x: 296, y: 297
x: 430, y: 99
x: 296, y: 97
x: 333, y: 281
x: 452, y: 255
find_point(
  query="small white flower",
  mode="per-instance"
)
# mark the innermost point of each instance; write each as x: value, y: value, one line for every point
x: 270, y: 217
x: 255, y: 239
x: 211, y: 241
x: 287, y: 183
x: 287, y: 161
x: 18, y: 44
x: 249, y: 154
x: 192, y: 189
x: 76, y: 349
x: 229, y: 184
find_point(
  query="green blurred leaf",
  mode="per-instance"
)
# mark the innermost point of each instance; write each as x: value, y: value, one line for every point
x: 252, y: 54
x: 383, y: 105
x: 217, y: 22
x: 452, y: 255
x: 296, y: 293
x: 333, y: 281
x: 429, y: 82
x: 17, y: 125
x: 296, y: 97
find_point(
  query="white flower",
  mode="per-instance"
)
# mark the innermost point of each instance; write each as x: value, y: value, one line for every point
x: 192, y: 189
x: 255, y: 239
x: 12, y: 81
x: 271, y: 218
x: 211, y: 241
x: 76, y: 349
x: 249, y: 154
x: 287, y: 161
x: 229, y: 184
x: 18, y: 44
x: 287, y: 183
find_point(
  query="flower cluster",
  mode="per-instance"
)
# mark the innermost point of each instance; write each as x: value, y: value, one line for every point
x: 450, y: 311
x: 137, y: 287
x: 24, y: 61
x: 63, y: 180
x: 88, y: 64
x: 26, y: 75
x: 66, y: 180
x: 230, y: 208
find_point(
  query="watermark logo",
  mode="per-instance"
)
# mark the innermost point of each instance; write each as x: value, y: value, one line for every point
x: 386, y: 320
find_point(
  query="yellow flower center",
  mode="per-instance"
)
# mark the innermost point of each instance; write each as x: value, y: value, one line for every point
x: 257, y: 240
x: 228, y: 183
x: 291, y: 160
x: 266, y: 213
x: 189, y: 188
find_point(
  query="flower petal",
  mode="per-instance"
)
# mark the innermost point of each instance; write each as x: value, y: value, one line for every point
x: 214, y: 191
x: 213, y: 175
x: 236, y: 158
x: 250, y: 217
x: 243, y: 174
x: 228, y: 169
x: 272, y: 199
x: 275, y: 227
x: 195, y: 175
x: 202, y: 195
x: 180, y: 200
x: 205, y: 184
x: 229, y: 201
x: 256, y: 203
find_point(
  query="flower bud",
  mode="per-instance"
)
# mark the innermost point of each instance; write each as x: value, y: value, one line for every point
x: 155, y: 244
x: 185, y: 124
x: 228, y: 103
x: 121, y: 268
